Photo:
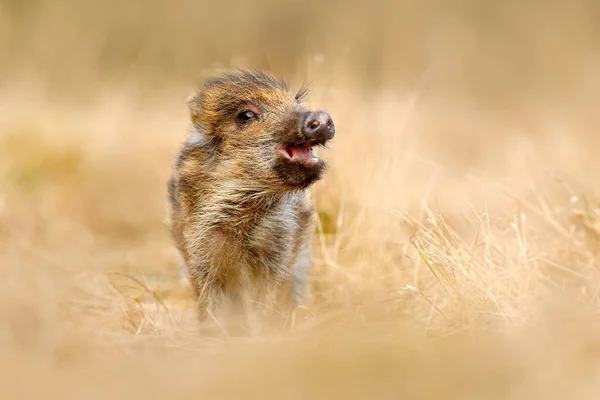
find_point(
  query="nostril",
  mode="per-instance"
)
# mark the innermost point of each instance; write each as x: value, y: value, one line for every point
x: 318, y: 125
x: 314, y: 124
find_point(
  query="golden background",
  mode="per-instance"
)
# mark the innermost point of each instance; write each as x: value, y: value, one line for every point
x: 457, y: 254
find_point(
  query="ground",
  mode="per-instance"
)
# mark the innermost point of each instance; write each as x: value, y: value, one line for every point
x: 457, y: 244
x: 451, y: 266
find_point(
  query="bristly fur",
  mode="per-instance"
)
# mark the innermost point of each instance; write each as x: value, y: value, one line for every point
x: 238, y: 214
x: 302, y: 94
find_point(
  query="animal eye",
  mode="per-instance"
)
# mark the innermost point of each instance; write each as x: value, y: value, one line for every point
x: 246, y: 116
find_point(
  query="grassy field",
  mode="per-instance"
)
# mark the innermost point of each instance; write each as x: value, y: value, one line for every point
x: 457, y: 251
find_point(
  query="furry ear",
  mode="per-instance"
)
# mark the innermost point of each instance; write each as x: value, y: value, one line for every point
x: 203, y: 113
x: 201, y: 134
x: 194, y: 103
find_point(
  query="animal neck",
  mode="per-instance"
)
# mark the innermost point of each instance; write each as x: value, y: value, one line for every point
x: 236, y: 206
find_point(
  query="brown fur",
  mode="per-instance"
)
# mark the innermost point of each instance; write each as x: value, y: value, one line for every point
x: 239, y: 215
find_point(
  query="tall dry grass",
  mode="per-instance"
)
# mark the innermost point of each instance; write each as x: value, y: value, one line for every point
x: 456, y: 249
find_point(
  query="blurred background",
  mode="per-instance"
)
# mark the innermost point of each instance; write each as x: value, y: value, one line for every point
x: 458, y: 220
x: 508, y: 51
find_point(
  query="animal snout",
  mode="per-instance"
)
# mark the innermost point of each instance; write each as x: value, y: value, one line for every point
x: 318, y: 126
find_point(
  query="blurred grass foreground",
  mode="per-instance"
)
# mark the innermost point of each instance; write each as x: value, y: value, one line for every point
x: 457, y: 252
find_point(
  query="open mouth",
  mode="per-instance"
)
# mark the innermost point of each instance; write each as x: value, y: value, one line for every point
x: 300, y: 152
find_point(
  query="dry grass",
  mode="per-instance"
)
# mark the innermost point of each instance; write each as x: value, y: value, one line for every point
x: 457, y: 245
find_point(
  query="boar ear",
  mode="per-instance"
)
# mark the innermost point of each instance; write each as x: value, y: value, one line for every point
x: 202, y: 113
x: 195, y: 109
x: 202, y: 133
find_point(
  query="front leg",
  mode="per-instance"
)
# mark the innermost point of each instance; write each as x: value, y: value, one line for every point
x: 300, y: 271
x: 207, y: 288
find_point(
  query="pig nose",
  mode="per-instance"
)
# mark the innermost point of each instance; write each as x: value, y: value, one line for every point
x: 318, y: 126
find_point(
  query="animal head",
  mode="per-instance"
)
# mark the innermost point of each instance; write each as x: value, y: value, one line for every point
x: 256, y: 128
